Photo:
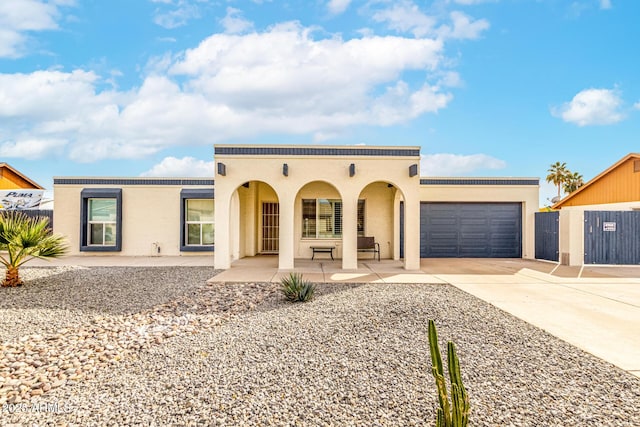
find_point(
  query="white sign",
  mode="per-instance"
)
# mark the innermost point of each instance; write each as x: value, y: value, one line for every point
x: 20, y: 199
x: 608, y: 226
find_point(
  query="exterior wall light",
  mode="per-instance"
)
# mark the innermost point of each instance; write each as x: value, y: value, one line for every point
x: 413, y: 170
x: 222, y: 169
x: 285, y: 169
x: 352, y: 169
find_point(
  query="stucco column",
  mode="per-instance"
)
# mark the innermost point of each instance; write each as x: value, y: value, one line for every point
x: 222, y: 255
x: 412, y: 233
x: 350, y: 232
x: 287, y: 236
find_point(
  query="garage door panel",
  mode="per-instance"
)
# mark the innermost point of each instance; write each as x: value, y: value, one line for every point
x: 471, y: 230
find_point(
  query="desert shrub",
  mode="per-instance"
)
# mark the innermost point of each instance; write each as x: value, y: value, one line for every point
x: 295, y: 288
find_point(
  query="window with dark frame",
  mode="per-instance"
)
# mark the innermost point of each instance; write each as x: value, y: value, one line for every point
x: 101, y: 220
x: 322, y: 218
x: 197, y: 220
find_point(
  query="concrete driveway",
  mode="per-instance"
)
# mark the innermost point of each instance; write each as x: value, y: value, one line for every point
x: 598, y: 312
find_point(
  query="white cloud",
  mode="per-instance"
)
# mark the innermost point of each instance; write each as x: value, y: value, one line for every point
x: 234, y: 23
x: 180, y: 15
x: 18, y: 18
x: 637, y: 105
x: 445, y: 164
x: 464, y: 27
x: 337, y: 7
x: 591, y: 107
x: 406, y: 17
x: 32, y: 149
x: 471, y: 2
x: 184, y: 167
x: 605, y: 4
x: 281, y: 81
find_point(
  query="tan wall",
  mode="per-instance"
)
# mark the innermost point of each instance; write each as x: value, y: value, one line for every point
x: 525, y: 194
x: 305, y: 173
x: 572, y: 228
x: 379, y: 198
x: 151, y: 215
x: 379, y: 216
x: 571, y: 242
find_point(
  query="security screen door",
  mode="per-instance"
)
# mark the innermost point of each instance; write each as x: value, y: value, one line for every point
x: 270, y: 227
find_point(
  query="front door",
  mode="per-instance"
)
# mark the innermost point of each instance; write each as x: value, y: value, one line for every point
x: 270, y: 227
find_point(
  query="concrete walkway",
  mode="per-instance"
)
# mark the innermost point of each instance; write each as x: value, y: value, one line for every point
x: 596, y: 308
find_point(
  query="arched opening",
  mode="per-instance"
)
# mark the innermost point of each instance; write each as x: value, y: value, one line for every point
x: 255, y: 220
x: 379, y: 217
x: 318, y: 221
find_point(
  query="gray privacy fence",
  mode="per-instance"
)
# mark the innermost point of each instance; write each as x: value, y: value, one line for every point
x: 612, y: 237
x: 33, y: 213
x: 547, y: 235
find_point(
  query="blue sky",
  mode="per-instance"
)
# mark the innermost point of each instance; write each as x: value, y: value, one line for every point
x: 485, y: 87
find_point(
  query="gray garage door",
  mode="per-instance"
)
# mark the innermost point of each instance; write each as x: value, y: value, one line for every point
x: 470, y: 230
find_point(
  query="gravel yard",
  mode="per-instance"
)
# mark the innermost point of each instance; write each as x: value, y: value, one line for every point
x: 180, y: 352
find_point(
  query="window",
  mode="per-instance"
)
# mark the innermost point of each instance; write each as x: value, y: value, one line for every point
x: 102, y: 222
x: 101, y: 217
x: 197, y: 218
x: 360, y: 218
x: 199, y: 221
x: 322, y: 218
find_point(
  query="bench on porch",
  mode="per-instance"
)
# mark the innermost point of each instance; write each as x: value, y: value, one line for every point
x: 322, y: 249
x: 368, y: 244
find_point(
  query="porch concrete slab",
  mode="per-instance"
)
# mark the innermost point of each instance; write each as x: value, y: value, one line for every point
x: 316, y: 277
x: 353, y: 276
x: 484, y: 278
x: 308, y: 265
x: 245, y: 275
x: 409, y: 277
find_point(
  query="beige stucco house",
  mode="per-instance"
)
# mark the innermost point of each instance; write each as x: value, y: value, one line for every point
x: 301, y: 202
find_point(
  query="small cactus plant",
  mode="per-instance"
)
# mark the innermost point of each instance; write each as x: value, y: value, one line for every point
x: 455, y: 414
x: 296, y: 289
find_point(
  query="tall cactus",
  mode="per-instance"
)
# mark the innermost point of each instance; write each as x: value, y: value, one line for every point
x: 455, y: 414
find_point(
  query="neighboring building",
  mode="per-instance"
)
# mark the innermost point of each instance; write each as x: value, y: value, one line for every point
x: 619, y: 184
x: 11, y: 179
x: 600, y: 222
x: 18, y: 192
x: 287, y: 200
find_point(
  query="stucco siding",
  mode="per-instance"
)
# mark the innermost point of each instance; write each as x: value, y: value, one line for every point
x: 525, y: 194
x: 150, y: 219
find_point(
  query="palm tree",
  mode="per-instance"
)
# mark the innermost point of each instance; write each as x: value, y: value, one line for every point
x: 23, y: 238
x: 573, y: 181
x: 557, y: 175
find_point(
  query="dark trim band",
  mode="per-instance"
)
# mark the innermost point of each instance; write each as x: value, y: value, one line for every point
x: 317, y: 151
x: 512, y: 181
x: 130, y: 181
